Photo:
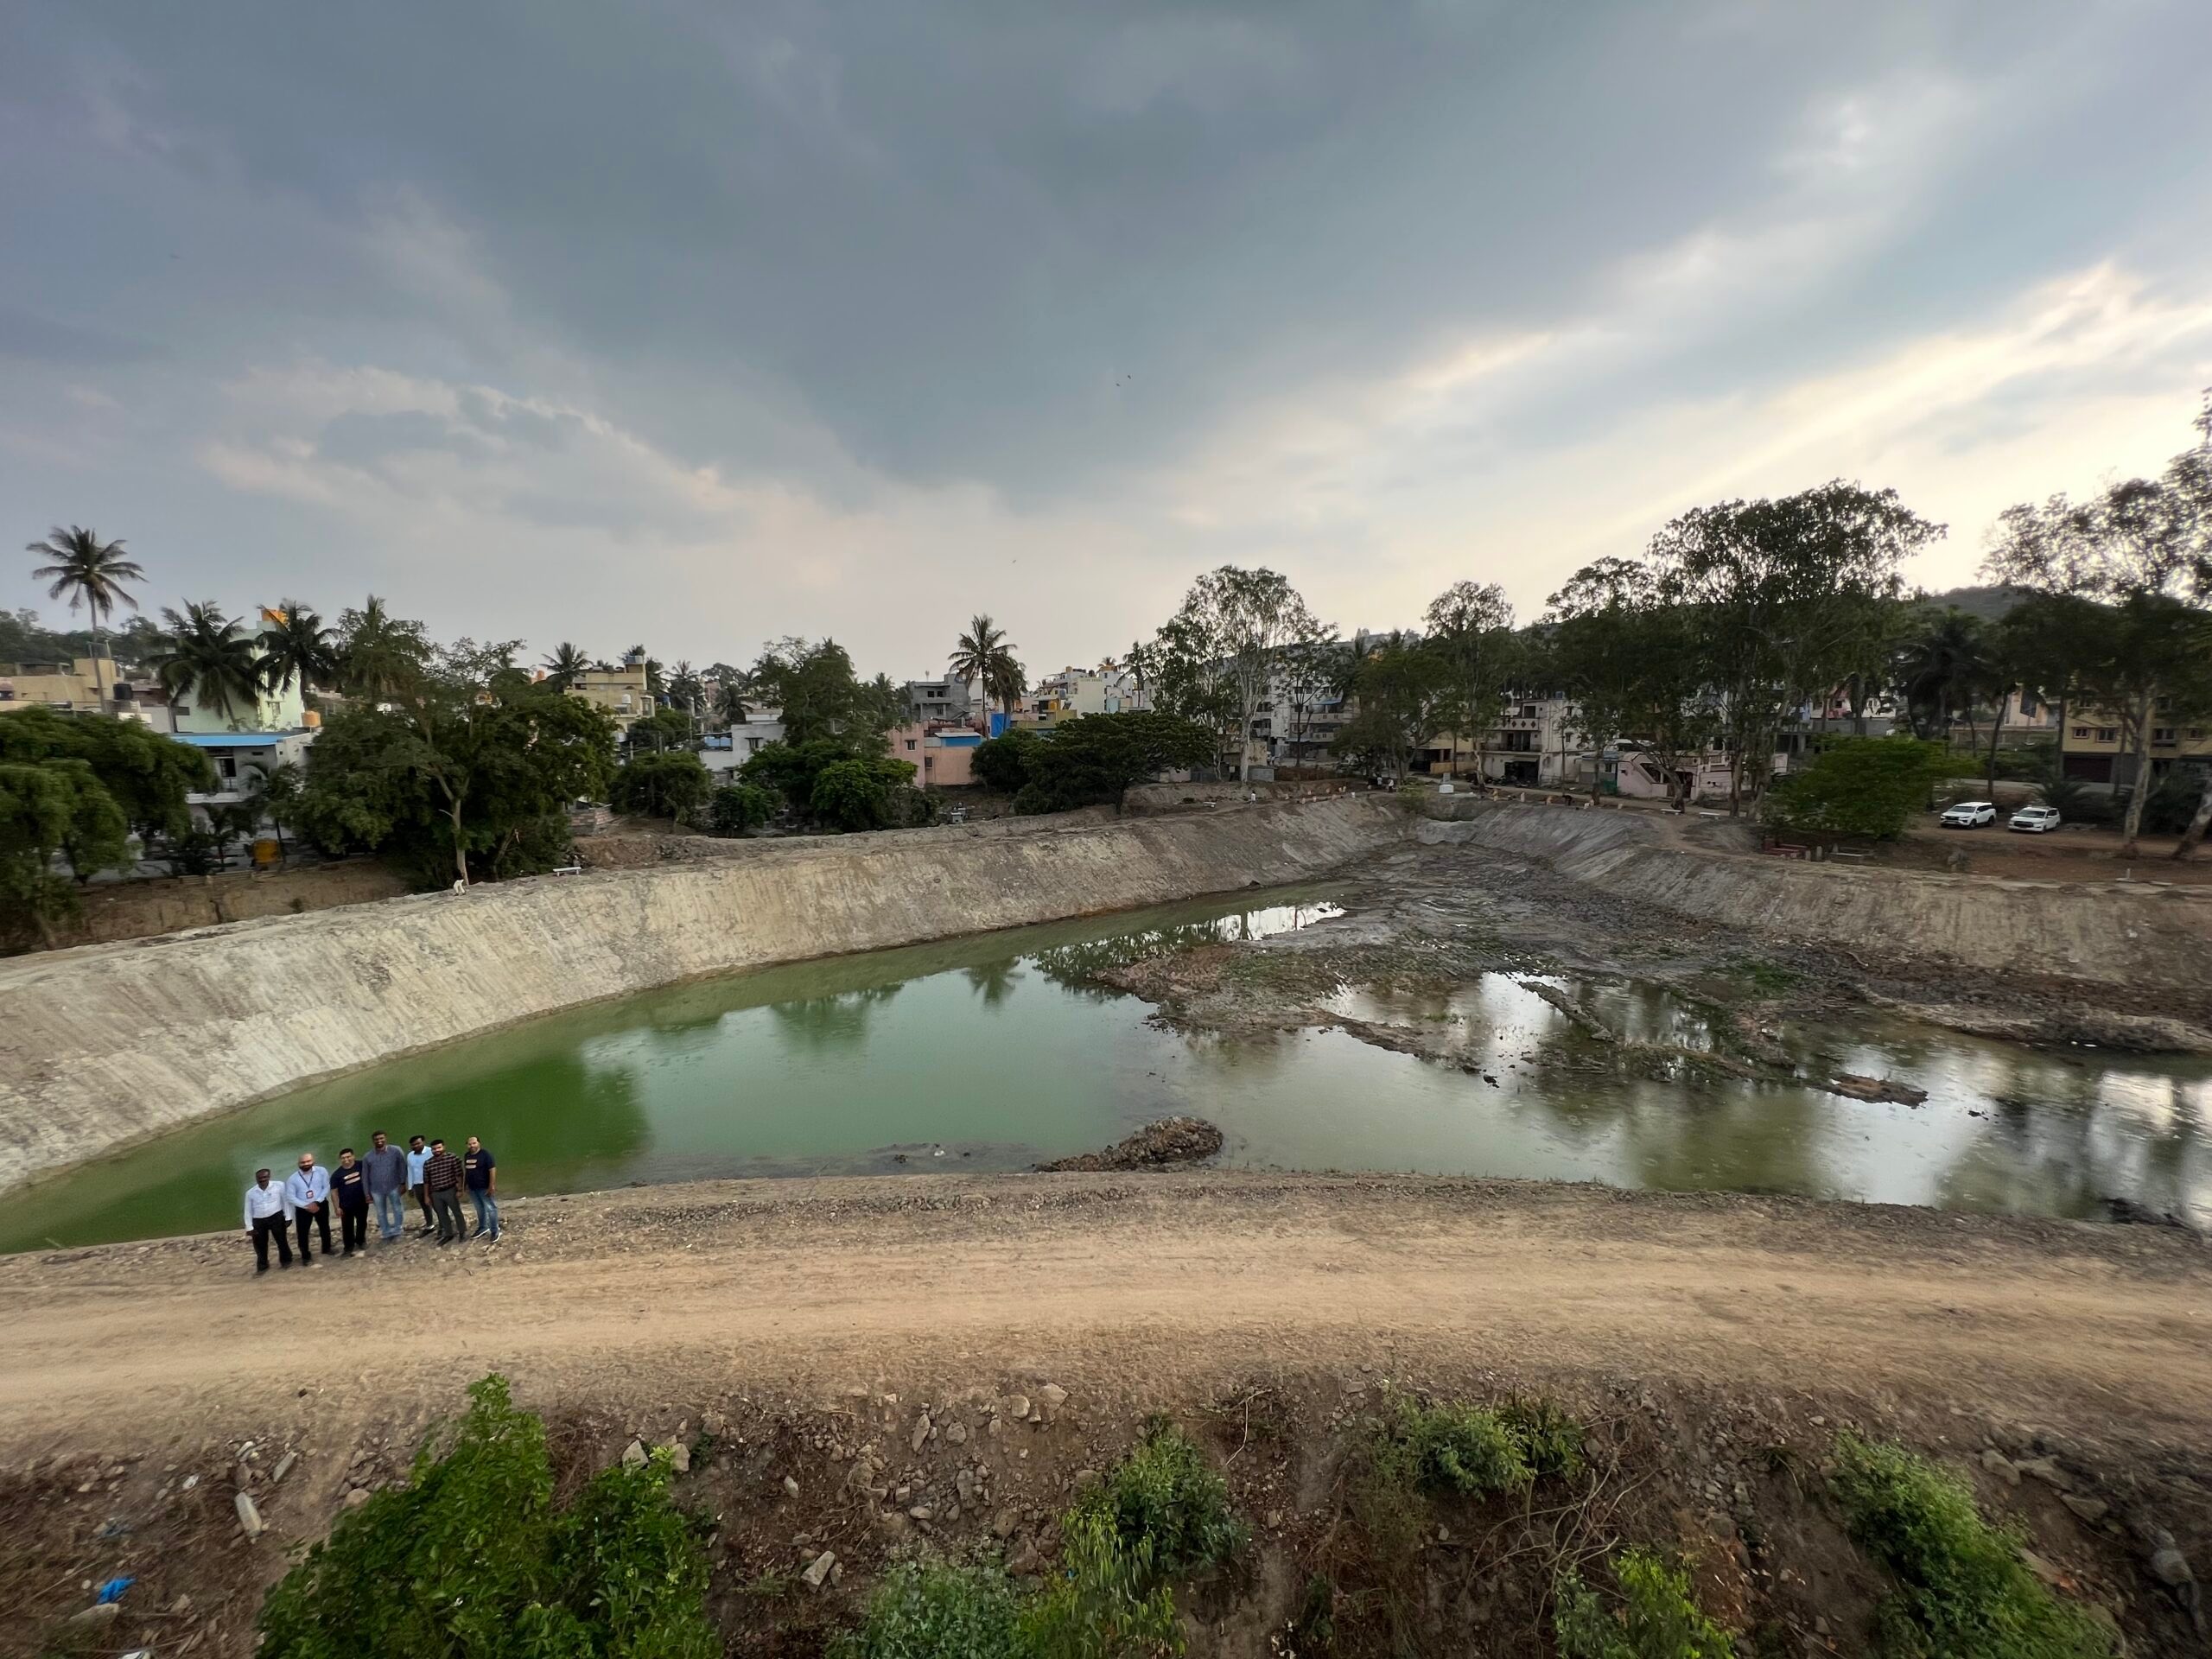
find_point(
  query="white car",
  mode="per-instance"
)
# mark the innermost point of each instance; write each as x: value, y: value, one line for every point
x: 1970, y: 814
x: 2035, y: 820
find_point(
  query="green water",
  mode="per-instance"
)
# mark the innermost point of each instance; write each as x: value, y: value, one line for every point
x: 980, y: 1054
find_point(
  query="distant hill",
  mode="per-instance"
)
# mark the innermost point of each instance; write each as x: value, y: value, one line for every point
x: 1987, y: 603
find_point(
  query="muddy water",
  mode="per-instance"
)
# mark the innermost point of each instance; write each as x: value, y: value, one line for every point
x: 989, y: 1054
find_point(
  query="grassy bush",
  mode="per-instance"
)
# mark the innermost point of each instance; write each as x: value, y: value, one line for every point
x: 1652, y: 1616
x: 1107, y: 1602
x: 1550, y: 1440
x: 1963, y: 1592
x: 1454, y: 1448
x: 471, y: 1557
x: 932, y: 1611
x: 1165, y: 1500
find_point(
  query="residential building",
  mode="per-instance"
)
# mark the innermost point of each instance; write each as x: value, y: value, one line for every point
x: 1125, y: 692
x: 617, y: 689
x: 939, y: 700
x: 942, y: 752
x: 2094, y: 747
x: 73, y: 687
x: 727, y: 750
x: 237, y: 756
x: 1071, y: 692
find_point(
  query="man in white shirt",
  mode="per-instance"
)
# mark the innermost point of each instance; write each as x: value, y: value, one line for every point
x: 307, y: 1195
x: 268, y: 1215
x: 417, y: 1156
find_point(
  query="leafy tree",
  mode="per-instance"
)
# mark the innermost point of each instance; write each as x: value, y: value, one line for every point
x: 983, y: 656
x: 735, y: 808
x: 1471, y: 632
x: 1628, y: 657
x: 463, y: 756
x: 1406, y: 693
x: 205, y: 660
x: 1093, y: 758
x: 298, y: 647
x: 566, y: 665
x: 820, y: 695
x: 663, y: 728
x: 2138, y: 550
x: 1002, y: 763
x: 1219, y: 652
x: 274, y: 795
x: 673, y: 783
x: 1868, y: 786
x: 733, y: 693
x: 52, y: 808
x: 93, y: 574
x: 1786, y: 593
x: 862, y: 792
x: 1940, y: 664
x: 147, y: 774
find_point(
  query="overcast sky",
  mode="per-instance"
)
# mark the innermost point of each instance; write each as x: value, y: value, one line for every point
x: 701, y: 323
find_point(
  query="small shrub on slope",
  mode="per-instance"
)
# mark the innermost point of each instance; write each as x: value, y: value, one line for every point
x: 1653, y: 1616
x: 1963, y: 1591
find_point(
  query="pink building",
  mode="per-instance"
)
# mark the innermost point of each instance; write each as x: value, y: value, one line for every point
x: 942, y: 752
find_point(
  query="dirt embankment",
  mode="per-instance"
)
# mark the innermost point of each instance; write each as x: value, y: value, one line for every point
x: 938, y: 1360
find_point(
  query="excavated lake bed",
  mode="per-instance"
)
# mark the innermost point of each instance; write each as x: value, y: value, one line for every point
x: 1319, y: 1029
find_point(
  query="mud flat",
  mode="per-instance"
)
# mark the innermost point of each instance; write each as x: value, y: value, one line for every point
x: 107, y: 1044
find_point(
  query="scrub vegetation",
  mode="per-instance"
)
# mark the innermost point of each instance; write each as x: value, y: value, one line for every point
x: 1962, y: 1590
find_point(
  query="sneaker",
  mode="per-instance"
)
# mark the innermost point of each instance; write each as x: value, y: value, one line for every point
x: 261, y: 1268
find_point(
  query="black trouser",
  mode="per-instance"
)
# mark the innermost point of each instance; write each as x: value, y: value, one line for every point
x: 264, y: 1229
x: 321, y: 1218
x: 447, y: 1201
x: 422, y: 1197
x: 353, y: 1228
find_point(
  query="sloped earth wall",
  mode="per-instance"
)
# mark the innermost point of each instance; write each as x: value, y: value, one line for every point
x: 2156, y: 942
x: 107, y: 1044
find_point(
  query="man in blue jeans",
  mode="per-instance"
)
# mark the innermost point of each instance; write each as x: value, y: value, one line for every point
x: 481, y: 1177
x: 387, y: 1171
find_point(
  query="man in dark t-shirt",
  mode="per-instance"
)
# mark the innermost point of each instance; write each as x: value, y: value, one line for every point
x: 349, y: 1190
x: 481, y: 1175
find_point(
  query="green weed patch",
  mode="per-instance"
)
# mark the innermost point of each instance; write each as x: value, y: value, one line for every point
x: 1963, y: 1591
x: 1651, y: 1614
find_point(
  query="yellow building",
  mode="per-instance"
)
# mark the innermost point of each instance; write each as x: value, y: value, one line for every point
x: 619, y: 689
x: 2095, y: 748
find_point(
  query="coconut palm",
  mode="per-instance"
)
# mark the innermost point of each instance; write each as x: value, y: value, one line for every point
x: 566, y: 665
x: 203, y: 656
x: 986, y: 654
x: 297, y: 646
x: 1940, y: 668
x: 380, y: 654
x: 93, y: 574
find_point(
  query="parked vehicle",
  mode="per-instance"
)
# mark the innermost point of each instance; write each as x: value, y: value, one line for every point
x: 1969, y: 815
x: 2035, y: 820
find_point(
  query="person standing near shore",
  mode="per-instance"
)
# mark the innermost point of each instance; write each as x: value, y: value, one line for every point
x: 442, y: 1178
x: 388, y: 1183
x: 306, y: 1194
x: 482, y: 1176
x: 268, y: 1213
x: 418, y: 1155
x: 349, y: 1187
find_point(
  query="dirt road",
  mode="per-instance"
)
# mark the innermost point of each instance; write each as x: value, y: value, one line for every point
x: 1127, y: 1285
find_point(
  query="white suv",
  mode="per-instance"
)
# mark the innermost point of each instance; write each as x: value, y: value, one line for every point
x: 2036, y: 820
x: 1970, y: 814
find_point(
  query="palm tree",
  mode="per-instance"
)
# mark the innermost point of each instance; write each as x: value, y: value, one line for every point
x: 297, y: 646
x: 985, y: 654
x: 566, y: 665
x: 274, y: 794
x: 92, y: 573
x: 1939, y: 668
x: 204, y: 656
x: 380, y: 655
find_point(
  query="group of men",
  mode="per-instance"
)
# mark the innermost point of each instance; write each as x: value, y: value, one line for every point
x: 435, y: 1178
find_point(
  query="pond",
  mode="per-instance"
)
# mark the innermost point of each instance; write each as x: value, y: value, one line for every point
x: 990, y: 1053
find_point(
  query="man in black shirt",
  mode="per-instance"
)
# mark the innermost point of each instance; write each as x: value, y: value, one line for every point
x: 483, y: 1183
x: 349, y: 1189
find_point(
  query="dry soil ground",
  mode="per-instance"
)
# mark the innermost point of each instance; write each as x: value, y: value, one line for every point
x: 807, y: 1319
